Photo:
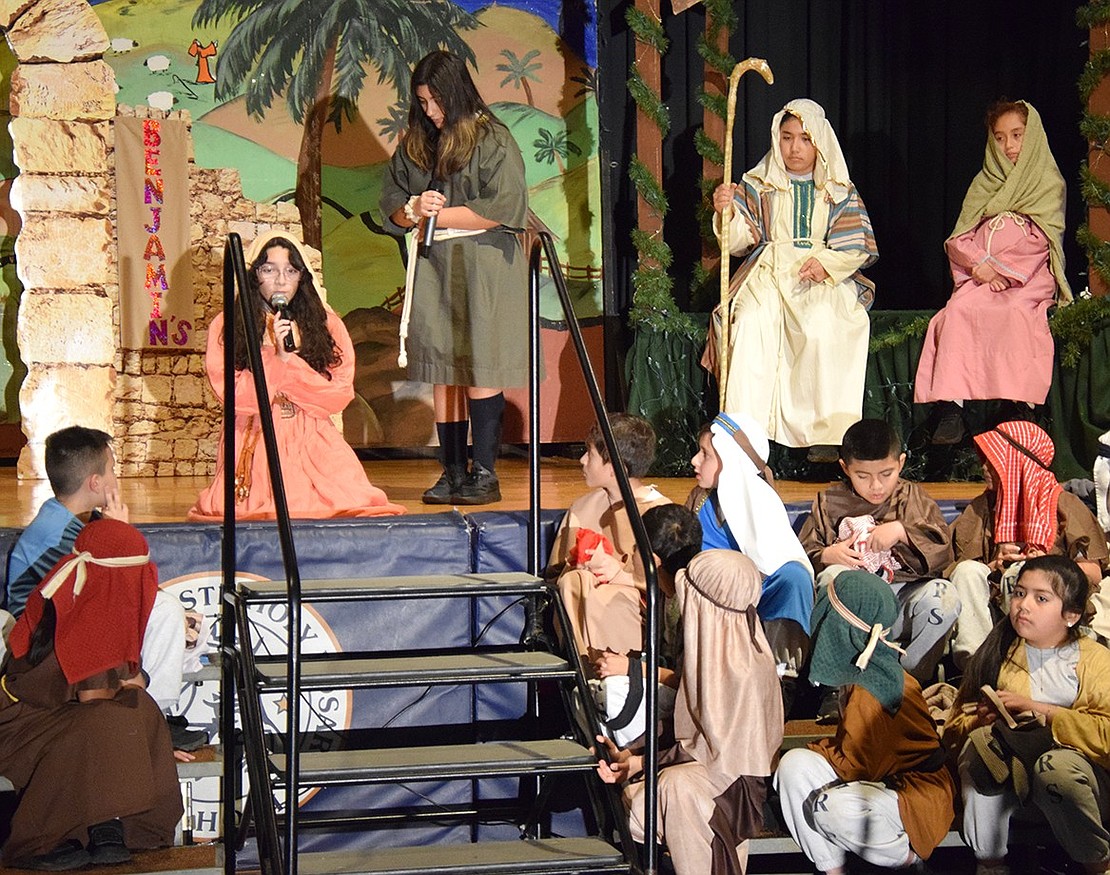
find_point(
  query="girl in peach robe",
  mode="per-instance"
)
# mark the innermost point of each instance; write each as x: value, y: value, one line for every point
x: 323, y: 477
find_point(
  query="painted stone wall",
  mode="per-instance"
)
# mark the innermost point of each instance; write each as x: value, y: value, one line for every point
x: 166, y: 418
x: 156, y: 403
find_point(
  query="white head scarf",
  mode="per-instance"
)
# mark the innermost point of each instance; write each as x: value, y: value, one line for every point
x: 830, y: 173
x: 753, y: 510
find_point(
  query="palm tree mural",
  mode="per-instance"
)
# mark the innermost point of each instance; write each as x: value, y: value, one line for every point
x: 587, y: 82
x: 393, y: 125
x: 519, y: 70
x: 315, y: 53
x: 552, y: 148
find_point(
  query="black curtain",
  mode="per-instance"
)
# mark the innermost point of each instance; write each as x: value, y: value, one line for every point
x: 905, y: 86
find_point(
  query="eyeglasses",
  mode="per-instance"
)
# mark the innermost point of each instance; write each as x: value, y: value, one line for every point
x: 268, y: 271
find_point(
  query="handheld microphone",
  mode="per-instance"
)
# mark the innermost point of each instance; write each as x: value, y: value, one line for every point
x: 280, y: 303
x: 430, y: 223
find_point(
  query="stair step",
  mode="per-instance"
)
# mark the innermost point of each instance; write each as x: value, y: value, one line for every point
x: 203, y: 859
x: 416, y: 586
x: 209, y: 762
x: 533, y: 855
x: 440, y: 762
x: 395, y: 671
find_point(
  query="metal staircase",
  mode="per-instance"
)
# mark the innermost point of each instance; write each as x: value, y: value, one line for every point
x: 528, y: 755
x: 527, y: 750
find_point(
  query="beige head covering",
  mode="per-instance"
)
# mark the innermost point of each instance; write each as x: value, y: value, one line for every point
x: 1033, y: 187
x: 728, y: 715
x: 265, y: 240
x: 830, y: 174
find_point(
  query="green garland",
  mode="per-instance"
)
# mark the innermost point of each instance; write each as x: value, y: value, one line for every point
x: 1073, y: 327
x: 653, y: 304
x: 899, y: 335
x: 648, y: 101
x: 709, y: 149
x: 716, y: 104
x: 1098, y: 251
x: 1096, y: 129
x: 1093, y: 14
x: 1095, y: 191
x: 648, y: 186
x: 1097, y: 66
x: 647, y: 30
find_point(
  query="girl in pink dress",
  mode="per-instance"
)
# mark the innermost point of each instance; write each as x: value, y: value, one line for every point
x: 308, y: 384
x: 991, y: 341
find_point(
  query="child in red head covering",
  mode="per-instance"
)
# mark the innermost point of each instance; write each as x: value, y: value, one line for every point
x: 97, y: 779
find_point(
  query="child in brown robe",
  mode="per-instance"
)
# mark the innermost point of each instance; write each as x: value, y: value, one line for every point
x: 908, y: 524
x: 84, y: 744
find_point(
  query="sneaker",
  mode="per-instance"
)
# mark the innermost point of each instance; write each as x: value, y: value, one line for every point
x: 184, y: 738
x: 481, y: 486
x: 106, y: 847
x: 68, y: 855
x: 445, y: 488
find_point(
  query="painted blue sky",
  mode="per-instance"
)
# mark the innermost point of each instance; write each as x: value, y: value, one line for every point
x: 574, y: 20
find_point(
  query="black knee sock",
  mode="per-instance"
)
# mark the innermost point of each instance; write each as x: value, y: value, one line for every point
x: 452, y: 443
x: 485, y: 427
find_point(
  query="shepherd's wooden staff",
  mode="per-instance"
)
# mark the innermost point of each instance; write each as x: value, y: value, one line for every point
x: 764, y: 70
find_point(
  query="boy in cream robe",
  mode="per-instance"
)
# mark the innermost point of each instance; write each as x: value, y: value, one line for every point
x: 798, y: 324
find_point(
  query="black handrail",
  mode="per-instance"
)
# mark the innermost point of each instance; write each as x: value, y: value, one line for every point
x: 235, y: 269
x: 643, y: 546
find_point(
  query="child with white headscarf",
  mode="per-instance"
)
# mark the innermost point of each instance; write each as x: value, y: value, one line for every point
x: 739, y: 509
x: 799, y: 328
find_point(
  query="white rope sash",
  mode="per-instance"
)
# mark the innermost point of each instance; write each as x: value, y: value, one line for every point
x: 877, y: 632
x: 77, y: 564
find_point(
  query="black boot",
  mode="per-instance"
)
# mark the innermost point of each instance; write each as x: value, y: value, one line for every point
x: 481, y: 485
x: 950, y: 427
x: 106, y: 847
x: 452, y: 455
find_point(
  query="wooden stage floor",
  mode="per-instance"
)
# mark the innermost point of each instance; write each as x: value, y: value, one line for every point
x: 168, y: 499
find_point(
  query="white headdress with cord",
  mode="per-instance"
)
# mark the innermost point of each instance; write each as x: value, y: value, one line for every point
x: 753, y: 510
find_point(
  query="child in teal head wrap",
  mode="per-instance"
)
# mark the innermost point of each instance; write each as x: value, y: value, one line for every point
x: 879, y: 788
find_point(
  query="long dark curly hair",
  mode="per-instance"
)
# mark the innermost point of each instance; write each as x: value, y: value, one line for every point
x: 318, y: 347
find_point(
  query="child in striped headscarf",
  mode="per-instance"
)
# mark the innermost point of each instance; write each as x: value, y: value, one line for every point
x: 1023, y: 513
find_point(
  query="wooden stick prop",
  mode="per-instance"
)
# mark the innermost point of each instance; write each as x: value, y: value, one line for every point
x: 764, y: 70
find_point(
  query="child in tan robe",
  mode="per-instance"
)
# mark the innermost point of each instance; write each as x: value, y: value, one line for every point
x: 594, y: 562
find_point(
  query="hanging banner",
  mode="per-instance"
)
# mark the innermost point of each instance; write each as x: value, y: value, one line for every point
x: 155, y: 262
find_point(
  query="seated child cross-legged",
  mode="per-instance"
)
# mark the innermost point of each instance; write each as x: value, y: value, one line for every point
x: 1044, y: 671
x: 881, y: 523
x: 880, y: 788
x: 739, y: 509
x: 594, y: 561
x: 1023, y: 513
x: 712, y: 781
